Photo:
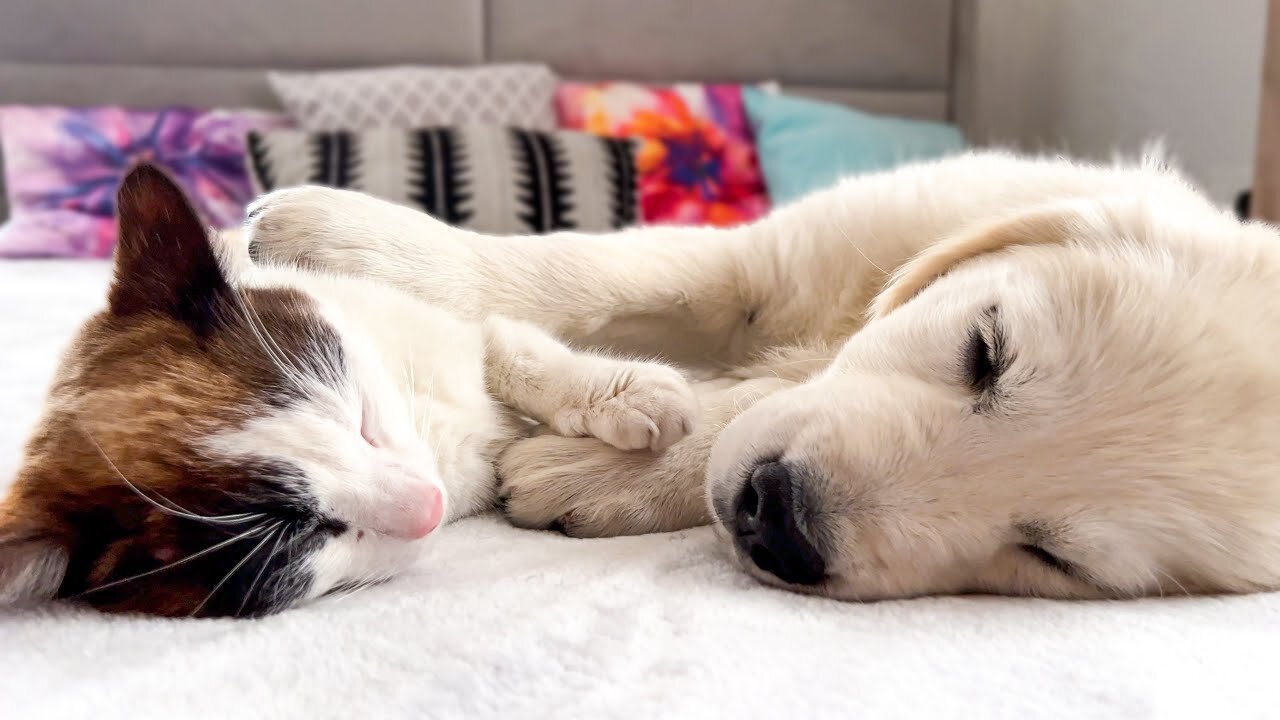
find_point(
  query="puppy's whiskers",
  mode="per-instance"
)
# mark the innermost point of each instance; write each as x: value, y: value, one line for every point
x: 844, y: 231
x: 1172, y: 579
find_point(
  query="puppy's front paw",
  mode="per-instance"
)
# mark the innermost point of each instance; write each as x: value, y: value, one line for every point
x: 632, y: 406
x: 585, y: 488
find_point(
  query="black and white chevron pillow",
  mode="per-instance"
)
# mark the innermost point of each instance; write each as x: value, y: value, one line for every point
x: 488, y: 178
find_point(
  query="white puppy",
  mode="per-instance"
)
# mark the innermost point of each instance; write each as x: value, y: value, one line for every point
x: 984, y: 374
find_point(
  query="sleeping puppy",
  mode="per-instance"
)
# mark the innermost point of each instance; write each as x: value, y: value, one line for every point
x: 985, y: 374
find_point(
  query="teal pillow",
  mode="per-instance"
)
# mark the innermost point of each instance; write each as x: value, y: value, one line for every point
x: 806, y: 145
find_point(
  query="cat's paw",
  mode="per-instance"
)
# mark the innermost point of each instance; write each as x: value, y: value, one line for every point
x: 309, y: 226
x: 585, y: 488
x: 631, y: 406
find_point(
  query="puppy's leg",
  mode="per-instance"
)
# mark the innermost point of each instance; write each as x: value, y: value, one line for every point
x: 585, y: 488
x: 629, y: 405
x: 672, y: 291
x: 804, y: 274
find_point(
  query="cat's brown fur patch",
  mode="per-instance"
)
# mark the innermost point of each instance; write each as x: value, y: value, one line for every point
x: 176, y: 358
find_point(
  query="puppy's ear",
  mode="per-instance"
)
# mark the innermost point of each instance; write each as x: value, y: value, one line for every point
x: 164, y: 262
x: 1051, y: 224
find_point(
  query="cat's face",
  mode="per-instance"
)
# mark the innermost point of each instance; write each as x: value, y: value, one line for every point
x: 209, y: 450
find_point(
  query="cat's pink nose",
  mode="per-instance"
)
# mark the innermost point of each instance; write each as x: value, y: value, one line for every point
x: 414, y: 513
x: 427, y: 515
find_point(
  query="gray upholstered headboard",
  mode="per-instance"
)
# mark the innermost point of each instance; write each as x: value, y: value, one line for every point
x: 898, y: 56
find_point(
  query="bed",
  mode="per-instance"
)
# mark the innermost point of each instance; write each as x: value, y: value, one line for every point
x: 497, y: 622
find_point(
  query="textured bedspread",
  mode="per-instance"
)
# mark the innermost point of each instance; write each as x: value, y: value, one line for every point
x: 498, y: 622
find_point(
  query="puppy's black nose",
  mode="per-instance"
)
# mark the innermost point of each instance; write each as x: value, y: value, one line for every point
x: 767, y: 531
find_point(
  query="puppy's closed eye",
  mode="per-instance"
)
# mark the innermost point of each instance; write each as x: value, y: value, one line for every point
x: 1035, y: 536
x: 985, y: 354
x: 1049, y: 559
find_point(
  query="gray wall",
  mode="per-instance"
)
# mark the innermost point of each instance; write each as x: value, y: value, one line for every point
x: 1098, y: 76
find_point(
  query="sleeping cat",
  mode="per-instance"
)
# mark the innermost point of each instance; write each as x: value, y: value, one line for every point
x: 229, y: 440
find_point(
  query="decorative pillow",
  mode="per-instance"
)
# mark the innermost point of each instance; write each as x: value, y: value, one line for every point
x: 409, y: 97
x: 806, y: 145
x: 697, y: 158
x: 62, y: 168
x: 487, y: 178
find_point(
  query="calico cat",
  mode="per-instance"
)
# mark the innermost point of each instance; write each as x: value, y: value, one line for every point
x: 225, y: 439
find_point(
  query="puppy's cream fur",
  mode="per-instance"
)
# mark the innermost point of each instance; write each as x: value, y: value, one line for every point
x: 1131, y: 434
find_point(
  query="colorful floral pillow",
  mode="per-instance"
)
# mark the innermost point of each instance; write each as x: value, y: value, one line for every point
x: 696, y: 158
x: 62, y: 167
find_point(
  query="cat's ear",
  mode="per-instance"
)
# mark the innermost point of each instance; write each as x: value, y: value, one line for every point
x: 31, y: 567
x: 164, y: 261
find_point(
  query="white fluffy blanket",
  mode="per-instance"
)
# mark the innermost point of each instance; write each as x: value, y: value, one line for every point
x: 503, y: 623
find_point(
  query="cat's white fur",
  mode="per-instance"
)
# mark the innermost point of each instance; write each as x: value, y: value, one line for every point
x: 441, y: 397
x: 1134, y: 436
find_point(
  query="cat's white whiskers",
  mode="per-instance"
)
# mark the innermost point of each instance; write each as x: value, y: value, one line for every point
x: 412, y: 399
x: 274, y: 351
x: 435, y: 450
x: 246, y: 535
x: 169, y: 507
x: 356, y: 586
x: 236, y: 568
x: 287, y: 362
x: 253, y: 586
x: 425, y: 426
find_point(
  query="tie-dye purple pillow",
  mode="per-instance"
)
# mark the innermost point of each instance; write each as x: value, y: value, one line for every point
x: 62, y: 167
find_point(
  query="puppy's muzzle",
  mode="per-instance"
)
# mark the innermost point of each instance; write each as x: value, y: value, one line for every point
x: 767, y: 527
